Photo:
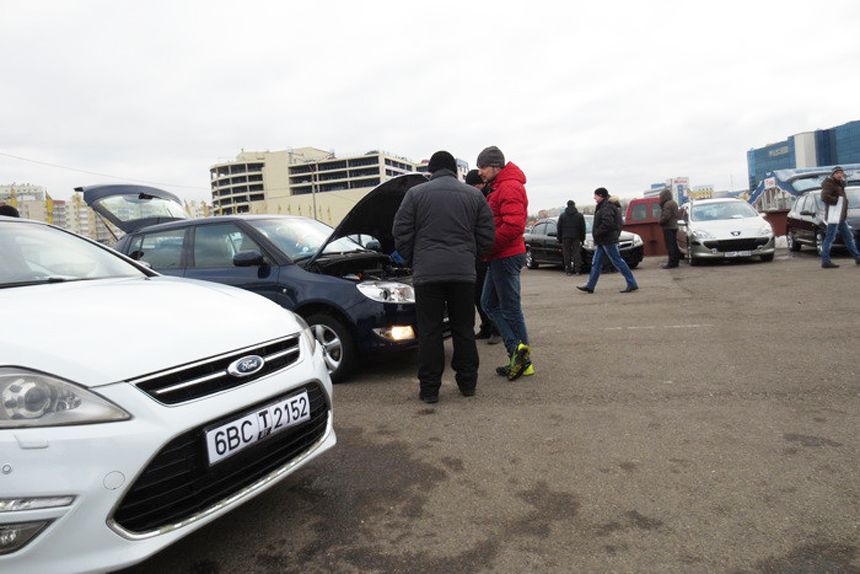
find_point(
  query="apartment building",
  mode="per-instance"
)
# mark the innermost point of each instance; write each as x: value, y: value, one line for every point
x: 303, y: 181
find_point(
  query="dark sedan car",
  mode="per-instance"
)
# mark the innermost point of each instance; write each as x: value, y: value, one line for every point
x: 805, y: 223
x: 542, y: 245
x: 358, y: 301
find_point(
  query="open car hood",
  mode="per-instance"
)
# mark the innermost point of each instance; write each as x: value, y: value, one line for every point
x: 133, y: 207
x: 374, y: 213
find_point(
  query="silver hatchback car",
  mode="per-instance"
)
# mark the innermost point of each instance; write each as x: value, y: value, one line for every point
x: 724, y: 228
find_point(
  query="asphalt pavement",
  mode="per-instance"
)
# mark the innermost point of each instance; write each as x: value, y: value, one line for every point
x: 705, y: 423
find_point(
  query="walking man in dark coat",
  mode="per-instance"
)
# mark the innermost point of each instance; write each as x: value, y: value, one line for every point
x: 571, y: 234
x: 669, y: 224
x: 440, y: 228
x: 606, y: 231
x: 488, y: 329
x: 836, y: 210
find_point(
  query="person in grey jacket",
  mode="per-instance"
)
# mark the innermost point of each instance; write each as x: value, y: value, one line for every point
x: 669, y: 224
x: 440, y: 228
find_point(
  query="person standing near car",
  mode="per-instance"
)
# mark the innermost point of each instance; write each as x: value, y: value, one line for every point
x: 835, y: 213
x: 439, y: 229
x: 606, y: 230
x: 571, y: 234
x: 501, y: 297
x: 487, y: 330
x: 669, y: 224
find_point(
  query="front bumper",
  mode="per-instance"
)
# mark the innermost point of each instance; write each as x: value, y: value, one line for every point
x: 732, y: 248
x: 99, y: 464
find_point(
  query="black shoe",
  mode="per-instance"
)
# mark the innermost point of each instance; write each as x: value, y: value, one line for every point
x: 628, y: 289
x: 467, y: 392
x: 430, y: 399
x: 483, y: 334
x: 668, y: 266
x: 503, y: 370
x: 584, y: 288
x: 829, y: 265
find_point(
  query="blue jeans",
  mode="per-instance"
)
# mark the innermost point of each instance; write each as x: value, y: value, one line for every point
x: 611, y: 251
x: 847, y: 238
x: 501, y: 299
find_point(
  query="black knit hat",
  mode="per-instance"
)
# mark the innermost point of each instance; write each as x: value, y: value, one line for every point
x: 836, y: 169
x: 491, y: 157
x: 473, y: 177
x: 571, y: 203
x: 442, y: 160
x: 602, y: 192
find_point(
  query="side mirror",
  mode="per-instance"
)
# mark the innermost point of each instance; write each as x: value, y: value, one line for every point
x: 248, y: 259
x: 373, y: 245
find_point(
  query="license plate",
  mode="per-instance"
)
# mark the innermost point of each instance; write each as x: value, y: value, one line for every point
x: 236, y: 435
x: 738, y: 253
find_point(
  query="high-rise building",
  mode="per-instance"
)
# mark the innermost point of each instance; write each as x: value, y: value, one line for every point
x: 302, y: 181
x: 832, y: 146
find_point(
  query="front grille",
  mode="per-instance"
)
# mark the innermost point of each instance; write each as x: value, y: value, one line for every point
x: 746, y: 244
x: 209, y: 376
x: 179, y: 482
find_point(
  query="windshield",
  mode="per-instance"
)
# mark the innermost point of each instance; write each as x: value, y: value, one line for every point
x: 36, y: 254
x: 301, y: 238
x: 805, y: 184
x: 723, y: 210
x: 134, y: 206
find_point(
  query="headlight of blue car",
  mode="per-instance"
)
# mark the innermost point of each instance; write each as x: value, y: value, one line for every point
x: 387, y: 291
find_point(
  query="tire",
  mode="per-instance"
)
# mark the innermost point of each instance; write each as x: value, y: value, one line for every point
x: 693, y: 260
x: 767, y: 258
x: 337, y: 344
x: 530, y: 261
x: 793, y: 244
x: 632, y: 264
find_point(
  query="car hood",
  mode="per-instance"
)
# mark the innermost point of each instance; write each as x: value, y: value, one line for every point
x: 374, y: 213
x: 731, y: 228
x: 103, y: 331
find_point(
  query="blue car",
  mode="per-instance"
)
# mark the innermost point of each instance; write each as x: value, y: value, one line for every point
x: 358, y: 300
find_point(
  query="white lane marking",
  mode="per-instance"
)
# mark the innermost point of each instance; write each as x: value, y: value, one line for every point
x: 652, y: 327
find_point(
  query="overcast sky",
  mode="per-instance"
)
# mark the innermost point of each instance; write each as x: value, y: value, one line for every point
x: 614, y: 94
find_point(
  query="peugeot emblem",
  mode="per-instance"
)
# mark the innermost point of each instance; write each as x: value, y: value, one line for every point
x: 735, y: 233
x: 246, y: 366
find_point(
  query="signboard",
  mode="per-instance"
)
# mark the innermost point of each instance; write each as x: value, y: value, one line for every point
x: 680, y: 189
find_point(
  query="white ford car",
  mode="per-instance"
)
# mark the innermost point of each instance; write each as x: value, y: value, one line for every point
x: 135, y: 408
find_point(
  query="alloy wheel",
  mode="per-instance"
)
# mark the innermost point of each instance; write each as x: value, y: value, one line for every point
x: 331, y: 345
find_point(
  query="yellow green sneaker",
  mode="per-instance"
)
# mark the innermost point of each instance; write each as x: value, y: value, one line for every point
x: 520, y: 360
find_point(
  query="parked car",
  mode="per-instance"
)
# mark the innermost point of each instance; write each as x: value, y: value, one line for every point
x: 136, y: 408
x: 542, y: 245
x: 357, y: 300
x: 805, y: 223
x: 725, y: 228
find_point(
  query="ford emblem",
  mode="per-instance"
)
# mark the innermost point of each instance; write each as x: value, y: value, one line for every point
x: 246, y: 366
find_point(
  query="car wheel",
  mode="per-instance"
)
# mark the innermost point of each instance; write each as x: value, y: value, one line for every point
x: 767, y: 258
x: 793, y: 244
x: 336, y: 342
x: 530, y: 260
x: 693, y: 260
x: 632, y: 264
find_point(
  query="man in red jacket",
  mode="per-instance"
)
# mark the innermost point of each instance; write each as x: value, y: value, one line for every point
x: 501, y: 296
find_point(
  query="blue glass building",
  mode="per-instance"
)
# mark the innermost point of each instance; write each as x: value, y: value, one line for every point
x: 838, y: 145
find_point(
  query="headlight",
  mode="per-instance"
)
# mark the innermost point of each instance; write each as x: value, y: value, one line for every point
x: 637, y: 241
x: 307, y: 334
x: 702, y: 234
x: 31, y: 399
x: 387, y: 291
x: 765, y: 230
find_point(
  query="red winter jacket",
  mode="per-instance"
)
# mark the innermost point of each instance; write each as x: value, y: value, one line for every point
x: 510, y: 206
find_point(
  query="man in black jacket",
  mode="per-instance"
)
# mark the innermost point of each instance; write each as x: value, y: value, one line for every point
x: 440, y: 228
x: 669, y: 224
x: 487, y: 329
x: 571, y: 234
x: 606, y: 230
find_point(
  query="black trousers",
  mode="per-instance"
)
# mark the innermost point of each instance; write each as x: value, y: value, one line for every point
x: 431, y: 301
x: 571, y: 252
x: 670, y: 236
x: 486, y: 323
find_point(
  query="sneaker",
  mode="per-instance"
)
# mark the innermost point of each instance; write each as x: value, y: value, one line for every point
x: 505, y: 369
x: 494, y: 339
x: 829, y: 265
x: 519, y: 361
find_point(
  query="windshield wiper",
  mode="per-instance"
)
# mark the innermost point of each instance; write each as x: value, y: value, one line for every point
x: 43, y: 281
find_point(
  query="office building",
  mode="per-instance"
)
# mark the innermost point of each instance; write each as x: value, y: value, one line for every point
x: 832, y: 146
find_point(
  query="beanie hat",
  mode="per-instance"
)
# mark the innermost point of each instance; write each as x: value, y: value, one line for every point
x: 473, y: 177
x: 442, y: 160
x: 836, y: 169
x: 571, y: 203
x: 491, y: 157
x: 602, y: 192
